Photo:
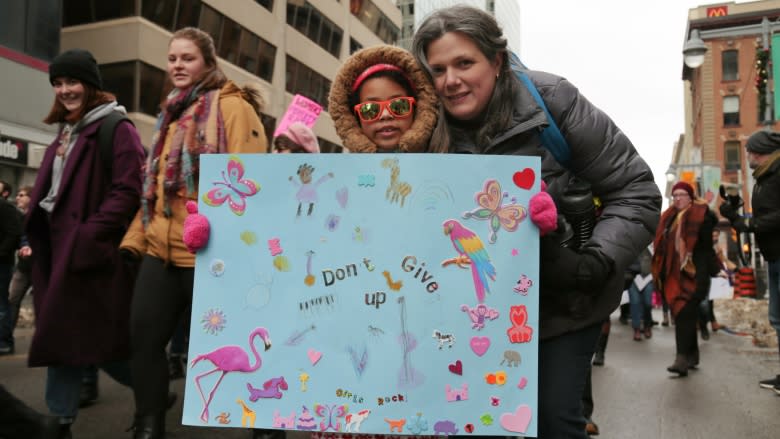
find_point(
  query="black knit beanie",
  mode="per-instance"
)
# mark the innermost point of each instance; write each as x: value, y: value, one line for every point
x: 763, y: 142
x: 78, y: 64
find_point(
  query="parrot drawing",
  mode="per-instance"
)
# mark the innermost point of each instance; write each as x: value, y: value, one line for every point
x: 471, y: 251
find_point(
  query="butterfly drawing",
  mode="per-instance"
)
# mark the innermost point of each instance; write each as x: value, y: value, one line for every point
x: 233, y: 188
x: 332, y: 413
x: 358, y: 359
x: 507, y: 216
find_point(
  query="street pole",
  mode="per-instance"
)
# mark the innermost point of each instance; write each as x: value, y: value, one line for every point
x: 767, y: 94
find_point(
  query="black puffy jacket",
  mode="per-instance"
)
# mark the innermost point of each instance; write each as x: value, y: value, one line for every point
x: 602, y: 156
x: 766, y: 211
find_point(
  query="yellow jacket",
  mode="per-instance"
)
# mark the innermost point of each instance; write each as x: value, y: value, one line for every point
x: 162, y: 237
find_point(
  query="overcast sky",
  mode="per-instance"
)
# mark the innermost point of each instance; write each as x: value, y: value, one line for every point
x: 625, y: 56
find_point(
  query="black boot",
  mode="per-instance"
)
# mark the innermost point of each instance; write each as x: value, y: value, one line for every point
x: 18, y: 420
x: 89, y: 393
x: 149, y: 426
x: 693, y: 359
x: 63, y: 432
x: 601, y: 345
x: 680, y: 366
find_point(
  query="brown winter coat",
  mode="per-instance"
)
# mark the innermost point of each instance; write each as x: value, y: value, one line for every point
x: 162, y: 237
x: 346, y: 122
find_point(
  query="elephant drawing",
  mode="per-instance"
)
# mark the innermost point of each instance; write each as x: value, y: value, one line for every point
x: 512, y: 358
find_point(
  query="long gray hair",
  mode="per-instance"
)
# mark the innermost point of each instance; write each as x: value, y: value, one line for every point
x: 481, y: 28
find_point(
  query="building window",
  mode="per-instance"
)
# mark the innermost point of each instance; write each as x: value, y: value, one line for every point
x: 137, y: 85
x: 229, y: 39
x: 119, y: 79
x: 89, y: 11
x: 172, y: 14
x: 354, y: 46
x: 376, y: 21
x: 309, y: 21
x: 152, y: 89
x: 730, y: 110
x: 268, y: 4
x: 730, y: 65
x: 731, y: 154
x: 238, y: 45
x: 31, y: 27
x: 305, y: 81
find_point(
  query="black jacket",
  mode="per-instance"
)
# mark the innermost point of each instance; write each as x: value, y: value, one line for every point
x: 602, y: 156
x: 766, y: 212
x: 10, y: 231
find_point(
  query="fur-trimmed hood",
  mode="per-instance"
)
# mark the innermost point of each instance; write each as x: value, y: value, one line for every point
x: 347, y: 126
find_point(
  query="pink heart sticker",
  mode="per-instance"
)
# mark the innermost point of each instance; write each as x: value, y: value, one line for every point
x: 517, y: 421
x: 480, y: 345
x: 524, y: 179
x: 456, y: 368
x: 314, y: 356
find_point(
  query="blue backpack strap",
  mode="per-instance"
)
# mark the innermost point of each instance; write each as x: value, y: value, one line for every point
x: 552, y: 139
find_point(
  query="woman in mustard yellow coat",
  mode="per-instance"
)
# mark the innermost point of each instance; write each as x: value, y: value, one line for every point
x: 205, y: 113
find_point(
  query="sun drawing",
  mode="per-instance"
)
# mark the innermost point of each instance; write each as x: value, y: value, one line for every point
x: 213, y: 321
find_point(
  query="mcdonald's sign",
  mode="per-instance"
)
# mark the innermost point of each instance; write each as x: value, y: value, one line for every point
x: 718, y: 11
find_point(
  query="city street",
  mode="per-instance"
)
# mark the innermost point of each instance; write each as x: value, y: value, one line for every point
x: 635, y: 395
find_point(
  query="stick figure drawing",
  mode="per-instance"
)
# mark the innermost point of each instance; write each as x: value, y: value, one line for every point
x: 307, y: 192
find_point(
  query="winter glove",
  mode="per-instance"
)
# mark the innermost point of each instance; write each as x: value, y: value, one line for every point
x: 565, y: 269
x: 543, y: 211
x: 196, y: 228
x: 728, y: 211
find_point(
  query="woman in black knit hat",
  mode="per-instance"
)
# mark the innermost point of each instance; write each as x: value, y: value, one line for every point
x: 79, y: 209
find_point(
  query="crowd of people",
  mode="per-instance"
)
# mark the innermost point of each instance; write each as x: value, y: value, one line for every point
x: 109, y: 238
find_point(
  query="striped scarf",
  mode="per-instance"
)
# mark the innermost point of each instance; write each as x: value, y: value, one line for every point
x: 199, y: 129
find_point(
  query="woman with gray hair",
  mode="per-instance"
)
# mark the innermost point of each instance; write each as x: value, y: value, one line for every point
x: 488, y: 110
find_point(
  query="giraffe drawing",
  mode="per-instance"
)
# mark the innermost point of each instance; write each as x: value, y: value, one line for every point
x: 397, y: 189
x: 247, y: 415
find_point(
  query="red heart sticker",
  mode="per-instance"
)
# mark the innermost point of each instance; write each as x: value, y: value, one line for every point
x: 456, y: 368
x: 525, y: 178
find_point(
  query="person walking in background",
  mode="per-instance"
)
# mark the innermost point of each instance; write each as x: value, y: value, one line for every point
x: 10, y: 234
x: 205, y: 113
x: 80, y: 208
x: 640, y: 295
x: 683, y: 263
x: 20, y: 278
x: 298, y: 138
x: 763, y: 153
x: 490, y: 111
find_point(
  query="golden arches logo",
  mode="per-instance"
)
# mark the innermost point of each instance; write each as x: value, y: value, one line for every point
x: 718, y: 11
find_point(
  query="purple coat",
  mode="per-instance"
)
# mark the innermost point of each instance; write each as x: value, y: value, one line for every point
x: 82, y: 288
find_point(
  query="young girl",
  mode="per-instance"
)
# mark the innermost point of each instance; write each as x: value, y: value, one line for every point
x: 381, y: 101
x: 205, y: 113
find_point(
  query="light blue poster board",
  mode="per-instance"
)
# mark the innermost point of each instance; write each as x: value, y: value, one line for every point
x: 395, y: 294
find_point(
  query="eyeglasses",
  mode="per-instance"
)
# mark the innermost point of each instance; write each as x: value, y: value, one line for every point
x: 680, y: 196
x: 22, y: 194
x: 370, y: 111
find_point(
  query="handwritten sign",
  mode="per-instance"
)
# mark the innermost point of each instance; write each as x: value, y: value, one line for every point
x: 405, y: 306
x: 301, y: 109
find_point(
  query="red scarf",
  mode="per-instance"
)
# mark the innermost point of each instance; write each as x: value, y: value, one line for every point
x: 675, y: 239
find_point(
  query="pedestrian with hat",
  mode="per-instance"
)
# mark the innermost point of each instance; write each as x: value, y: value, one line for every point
x: 763, y: 153
x: 682, y: 265
x: 79, y: 210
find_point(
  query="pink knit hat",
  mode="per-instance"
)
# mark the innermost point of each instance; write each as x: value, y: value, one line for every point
x: 304, y: 136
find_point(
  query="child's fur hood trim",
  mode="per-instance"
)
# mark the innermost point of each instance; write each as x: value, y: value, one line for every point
x: 347, y: 126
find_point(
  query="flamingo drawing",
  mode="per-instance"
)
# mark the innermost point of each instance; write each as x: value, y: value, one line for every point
x: 229, y: 359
